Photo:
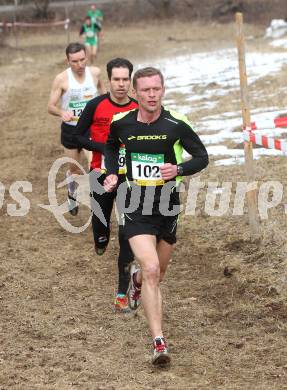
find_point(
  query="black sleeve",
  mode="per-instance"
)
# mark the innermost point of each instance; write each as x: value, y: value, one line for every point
x: 83, y: 127
x: 112, y: 151
x: 193, y: 145
x: 82, y: 31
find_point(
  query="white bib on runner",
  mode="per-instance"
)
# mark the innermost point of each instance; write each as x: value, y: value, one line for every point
x: 78, y: 94
x: 90, y: 34
x: 146, y: 169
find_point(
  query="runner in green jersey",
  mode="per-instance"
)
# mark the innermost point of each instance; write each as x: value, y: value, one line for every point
x: 89, y: 32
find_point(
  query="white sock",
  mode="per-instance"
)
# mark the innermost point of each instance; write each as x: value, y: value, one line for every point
x: 70, y: 182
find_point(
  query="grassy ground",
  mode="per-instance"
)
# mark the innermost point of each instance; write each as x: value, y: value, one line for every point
x: 224, y: 295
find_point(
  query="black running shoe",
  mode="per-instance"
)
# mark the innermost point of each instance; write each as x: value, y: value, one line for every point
x: 101, y: 245
x: 72, y: 204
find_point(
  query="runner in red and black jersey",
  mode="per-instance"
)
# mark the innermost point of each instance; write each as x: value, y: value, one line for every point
x: 96, y: 118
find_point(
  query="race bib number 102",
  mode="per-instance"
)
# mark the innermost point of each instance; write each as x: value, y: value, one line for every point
x: 146, y: 169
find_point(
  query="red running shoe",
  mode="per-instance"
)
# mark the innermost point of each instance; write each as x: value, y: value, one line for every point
x: 160, y: 354
x: 134, y: 292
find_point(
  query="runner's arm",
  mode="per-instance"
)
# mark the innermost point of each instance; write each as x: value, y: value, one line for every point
x: 101, y: 87
x: 55, y: 96
x: 193, y: 145
x: 83, y: 127
x: 112, y: 152
x: 97, y: 26
x: 96, y: 72
x: 82, y: 31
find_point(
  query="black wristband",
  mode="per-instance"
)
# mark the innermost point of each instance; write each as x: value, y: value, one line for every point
x: 179, y: 170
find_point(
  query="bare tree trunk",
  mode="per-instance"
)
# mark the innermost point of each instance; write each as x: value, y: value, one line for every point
x: 41, y: 8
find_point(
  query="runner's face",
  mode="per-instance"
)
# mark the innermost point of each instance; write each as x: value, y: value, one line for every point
x: 78, y: 62
x: 120, y: 83
x: 149, y: 93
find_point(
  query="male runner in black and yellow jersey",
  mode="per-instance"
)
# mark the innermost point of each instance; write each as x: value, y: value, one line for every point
x: 154, y: 138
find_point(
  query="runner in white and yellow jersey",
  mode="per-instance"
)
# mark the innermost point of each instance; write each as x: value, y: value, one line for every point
x: 71, y: 91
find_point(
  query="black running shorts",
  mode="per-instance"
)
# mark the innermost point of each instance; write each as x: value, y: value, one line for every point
x: 68, y: 138
x: 163, y: 227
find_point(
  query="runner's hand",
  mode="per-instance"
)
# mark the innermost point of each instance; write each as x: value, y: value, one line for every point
x: 110, y: 183
x: 168, y: 171
x: 66, y: 116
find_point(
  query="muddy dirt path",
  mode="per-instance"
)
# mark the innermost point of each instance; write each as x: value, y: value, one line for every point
x: 224, y: 295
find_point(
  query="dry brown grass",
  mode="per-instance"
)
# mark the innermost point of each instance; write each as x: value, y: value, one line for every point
x: 225, y: 295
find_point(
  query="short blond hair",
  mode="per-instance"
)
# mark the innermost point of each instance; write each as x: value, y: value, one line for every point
x: 147, y: 72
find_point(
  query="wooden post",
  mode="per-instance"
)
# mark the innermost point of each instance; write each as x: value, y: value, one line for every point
x: 4, y: 32
x: 248, y: 148
x: 15, y: 32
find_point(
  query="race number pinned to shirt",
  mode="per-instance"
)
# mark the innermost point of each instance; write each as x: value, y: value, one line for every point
x: 146, y: 169
x: 77, y: 107
x: 121, y: 162
x: 90, y: 34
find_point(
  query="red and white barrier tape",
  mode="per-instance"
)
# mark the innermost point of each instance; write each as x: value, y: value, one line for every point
x: 269, y: 124
x: 48, y: 24
x: 266, y: 142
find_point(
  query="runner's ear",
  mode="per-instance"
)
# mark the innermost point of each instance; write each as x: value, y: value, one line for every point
x: 133, y: 93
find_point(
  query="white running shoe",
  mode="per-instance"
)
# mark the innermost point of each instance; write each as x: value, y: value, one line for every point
x: 160, y: 353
